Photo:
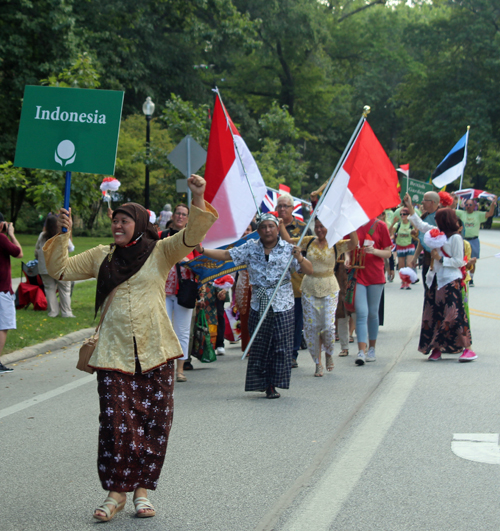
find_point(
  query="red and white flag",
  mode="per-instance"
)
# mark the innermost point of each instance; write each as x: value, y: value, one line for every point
x: 404, y: 169
x: 227, y: 188
x: 362, y: 189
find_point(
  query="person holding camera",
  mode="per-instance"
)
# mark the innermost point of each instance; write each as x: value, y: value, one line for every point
x: 9, y: 246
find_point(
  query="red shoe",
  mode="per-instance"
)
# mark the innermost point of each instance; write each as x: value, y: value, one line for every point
x: 468, y: 355
x: 435, y: 355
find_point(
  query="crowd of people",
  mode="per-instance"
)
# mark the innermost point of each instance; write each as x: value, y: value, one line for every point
x: 284, y: 293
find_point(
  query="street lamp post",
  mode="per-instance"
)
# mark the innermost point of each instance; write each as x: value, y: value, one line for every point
x: 148, y: 108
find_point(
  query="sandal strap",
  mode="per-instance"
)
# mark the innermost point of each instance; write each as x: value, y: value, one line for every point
x: 104, y: 507
x: 142, y: 503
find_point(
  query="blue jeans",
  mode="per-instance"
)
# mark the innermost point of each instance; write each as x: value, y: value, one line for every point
x: 367, y: 302
x: 297, y: 333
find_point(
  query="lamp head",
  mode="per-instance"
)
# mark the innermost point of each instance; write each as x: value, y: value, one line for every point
x: 148, y: 107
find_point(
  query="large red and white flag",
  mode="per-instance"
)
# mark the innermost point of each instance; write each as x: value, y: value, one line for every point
x: 227, y: 188
x: 363, y: 188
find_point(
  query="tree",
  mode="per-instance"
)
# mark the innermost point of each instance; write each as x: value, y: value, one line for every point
x: 36, y: 38
x: 453, y: 82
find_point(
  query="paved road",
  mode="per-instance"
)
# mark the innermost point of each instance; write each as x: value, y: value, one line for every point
x: 363, y: 448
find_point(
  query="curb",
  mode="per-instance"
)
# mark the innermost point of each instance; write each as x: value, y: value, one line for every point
x: 46, y: 346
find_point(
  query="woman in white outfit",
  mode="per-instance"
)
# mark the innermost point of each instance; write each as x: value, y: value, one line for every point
x: 180, y: 316
x: 51, y: 285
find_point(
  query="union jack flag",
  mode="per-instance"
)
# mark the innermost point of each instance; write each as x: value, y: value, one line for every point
x: 271, y: 200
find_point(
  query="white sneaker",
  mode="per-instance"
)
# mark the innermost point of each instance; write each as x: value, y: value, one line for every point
x: 370, y: 355
x: 360, y: 358
x: 220, y: 351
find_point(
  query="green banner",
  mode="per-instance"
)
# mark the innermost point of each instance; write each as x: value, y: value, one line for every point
x: 416, y: 189
x: 69, y: 129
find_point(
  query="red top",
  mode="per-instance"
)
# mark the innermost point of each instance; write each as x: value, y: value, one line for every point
x: 374, y: 271
x: 7, y: 249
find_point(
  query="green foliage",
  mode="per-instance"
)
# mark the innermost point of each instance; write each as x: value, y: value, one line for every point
x: 81, y: 74
x: 184, y: 118
x: 294, y: 76
x: 280, y: 159
x: 131, y: 158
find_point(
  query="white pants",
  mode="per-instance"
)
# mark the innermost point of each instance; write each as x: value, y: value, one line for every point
x: 181, y: 321
x: 64, y: 302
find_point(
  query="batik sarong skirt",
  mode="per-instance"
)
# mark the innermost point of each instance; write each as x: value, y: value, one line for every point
x: 134, y: 424
x: 270, y: 360
x: 445, y: 325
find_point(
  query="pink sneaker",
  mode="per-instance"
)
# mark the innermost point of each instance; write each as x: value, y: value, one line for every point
x: 435, y: 355
x: 468, y: 355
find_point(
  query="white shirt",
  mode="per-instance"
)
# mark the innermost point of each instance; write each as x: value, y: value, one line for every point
x: 449, y: 270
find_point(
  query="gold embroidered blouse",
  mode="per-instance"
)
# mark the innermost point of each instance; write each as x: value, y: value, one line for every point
x: 322, y: 282
x: 138, y: 309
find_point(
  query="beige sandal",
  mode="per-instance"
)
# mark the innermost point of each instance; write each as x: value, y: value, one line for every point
x: 329, y: 362
x: 344, y: 352
x: 109, y: 513
x: 142, y: 503
x: 181, y: 377
x: 319, y: 370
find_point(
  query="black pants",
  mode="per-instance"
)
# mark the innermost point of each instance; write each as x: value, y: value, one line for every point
x: 221, y: 324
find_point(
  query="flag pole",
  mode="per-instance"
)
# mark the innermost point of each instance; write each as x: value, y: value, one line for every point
x: 366, y: 111
x: 216, y: 90
x: 67, y: 191
x: 466, y: 144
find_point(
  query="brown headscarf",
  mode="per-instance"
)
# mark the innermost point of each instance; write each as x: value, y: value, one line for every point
x: 123, y: 262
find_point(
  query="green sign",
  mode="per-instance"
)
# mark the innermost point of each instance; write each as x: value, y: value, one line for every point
x: 69, y: 129
x: 416, y: 189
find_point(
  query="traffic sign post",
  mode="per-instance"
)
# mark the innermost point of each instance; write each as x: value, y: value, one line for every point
x: 188, y: 157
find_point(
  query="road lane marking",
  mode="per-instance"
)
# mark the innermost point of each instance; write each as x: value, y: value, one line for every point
x: 491, y: 245
x: 487, y: 315
x: 478, y: 447
x: 45, y: 396
x: 320, y: 508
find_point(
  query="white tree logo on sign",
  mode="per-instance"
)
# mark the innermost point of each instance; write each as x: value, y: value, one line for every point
x: 65, y: 153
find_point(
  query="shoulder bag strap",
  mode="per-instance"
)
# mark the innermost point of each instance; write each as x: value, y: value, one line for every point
x: 103, y: 312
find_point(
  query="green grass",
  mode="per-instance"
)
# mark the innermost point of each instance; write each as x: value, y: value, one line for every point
x: 35, y: 327
x: 28, y: 242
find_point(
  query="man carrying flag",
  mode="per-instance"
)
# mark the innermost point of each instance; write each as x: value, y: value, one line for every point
x: 472, y: 219
x: 270, y: 361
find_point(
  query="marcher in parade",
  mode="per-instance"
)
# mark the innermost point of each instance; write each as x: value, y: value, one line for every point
x: 242, y: 295
x: 404, y: 243
x: 472, y: 220
x: 376, y: 244
x: 179, y: 316
x: 445, y: 325
x: 137, y: 345
x: 295, y: 228
x: 270, y: 360
x: 430, y: 203
x: 51, y: 285
x: 320, y: 292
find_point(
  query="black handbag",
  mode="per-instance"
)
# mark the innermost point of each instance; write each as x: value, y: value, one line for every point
x: 188, y: 290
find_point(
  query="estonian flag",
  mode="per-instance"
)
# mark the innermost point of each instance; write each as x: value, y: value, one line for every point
x: 452, y: 166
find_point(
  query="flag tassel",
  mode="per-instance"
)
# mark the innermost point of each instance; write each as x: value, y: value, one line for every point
x: 347, y: 149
